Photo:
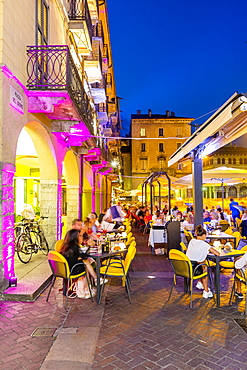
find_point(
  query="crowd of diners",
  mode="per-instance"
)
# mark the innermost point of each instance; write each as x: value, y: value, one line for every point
x: 81, y: 236
x: 84, y: 234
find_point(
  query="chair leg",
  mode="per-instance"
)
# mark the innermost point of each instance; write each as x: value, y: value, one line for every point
x: 191, y: 292
x: 127, y: 289
x: 88, y: 283
x: 52, y: 283
x: 170, y: 292
x: 232, y: 292
x: 245, y: 311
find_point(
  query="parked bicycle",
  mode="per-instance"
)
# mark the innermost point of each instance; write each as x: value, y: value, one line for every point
x: 30, y: 239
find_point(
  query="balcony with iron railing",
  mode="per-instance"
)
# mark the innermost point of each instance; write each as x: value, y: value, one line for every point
x: 97, y: 32
x: 53, y: 79
x: 80, y: 24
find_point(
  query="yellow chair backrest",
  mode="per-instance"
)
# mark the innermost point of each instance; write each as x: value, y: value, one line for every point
x: 58, y: 264
x: 238, y: 221
x: 183, y: 246
x: 181, y: 263
x: 58, y: 245
x: 129, y: 241
x: 132, y: 244
x: 128, y: 259
x: 238, y: 236
x: 128, y: 229
x: 228, y: 231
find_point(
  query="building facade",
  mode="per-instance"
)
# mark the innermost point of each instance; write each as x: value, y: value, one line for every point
x: 58, y: 108
x: 158, y: 137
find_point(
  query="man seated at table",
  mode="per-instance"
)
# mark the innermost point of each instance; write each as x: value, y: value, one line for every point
x: 197, y: 252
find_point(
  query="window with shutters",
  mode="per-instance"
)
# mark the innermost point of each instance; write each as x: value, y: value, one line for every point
x: 143, y: 132
x: 161, y: 147
x: 143, y: 147
x: 143, y: 163
x: 161, y: 132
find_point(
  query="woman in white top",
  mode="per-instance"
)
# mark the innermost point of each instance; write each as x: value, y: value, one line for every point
x: 197, y: 253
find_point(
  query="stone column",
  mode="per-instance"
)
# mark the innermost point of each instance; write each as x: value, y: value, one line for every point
x: 51, y: 207
x: 7, y: 224
x: 72, y: 204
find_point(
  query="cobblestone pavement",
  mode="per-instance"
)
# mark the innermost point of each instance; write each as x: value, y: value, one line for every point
x: 147, y: 334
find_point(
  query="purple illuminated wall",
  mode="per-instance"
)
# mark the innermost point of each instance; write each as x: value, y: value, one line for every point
x: 8, y: 251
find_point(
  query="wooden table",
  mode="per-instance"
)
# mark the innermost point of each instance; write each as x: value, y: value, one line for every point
x: 217, y: 259
x: 98, y: 257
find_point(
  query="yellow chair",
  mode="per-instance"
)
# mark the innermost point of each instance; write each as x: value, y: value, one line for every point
x: 188, y: 235
x: 129, y: 241
x: 120, y: 270
x: 228, y: 231
x: 238, y: 222
x: 128, y: 229
x: 183, y: 247
x: 58, y: 245
x: 238, y: 236
x: 224, y: 225
x: 182, y: 266
x: 60, y: 268
x: 241, y: 276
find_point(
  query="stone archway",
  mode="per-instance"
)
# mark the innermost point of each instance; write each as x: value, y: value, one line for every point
x: 50, y: 179
x: 71, y: 179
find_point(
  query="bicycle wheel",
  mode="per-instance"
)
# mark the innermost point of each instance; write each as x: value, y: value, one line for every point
x: 24, y: 248
x: 43, y: 245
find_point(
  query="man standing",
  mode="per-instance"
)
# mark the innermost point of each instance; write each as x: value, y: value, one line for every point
x: 234, y: 210
x: 114, y: 214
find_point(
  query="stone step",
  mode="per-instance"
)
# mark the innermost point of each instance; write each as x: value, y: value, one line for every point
x: 32, y: 279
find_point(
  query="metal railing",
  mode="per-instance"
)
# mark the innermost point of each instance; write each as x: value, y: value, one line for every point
x: 52, y: 68
x: 97, y: 31
x: 79, y: 11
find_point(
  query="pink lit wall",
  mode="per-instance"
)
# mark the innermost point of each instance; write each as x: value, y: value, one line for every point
x: 8, y: 251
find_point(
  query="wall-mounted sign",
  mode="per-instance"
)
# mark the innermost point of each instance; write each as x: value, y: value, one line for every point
x: 16, y: 100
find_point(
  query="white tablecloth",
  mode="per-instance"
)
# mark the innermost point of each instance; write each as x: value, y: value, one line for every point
x: 156, y: 236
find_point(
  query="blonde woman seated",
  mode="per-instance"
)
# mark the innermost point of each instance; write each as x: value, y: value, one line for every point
x: 188, y: 223
x: 197, y: 252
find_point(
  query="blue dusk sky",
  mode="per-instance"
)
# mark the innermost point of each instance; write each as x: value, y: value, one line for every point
x: 186, y: 56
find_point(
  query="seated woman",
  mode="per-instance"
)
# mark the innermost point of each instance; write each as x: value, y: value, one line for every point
x: 197, y: 252
x: 71, y: 251
x: 188, y: 223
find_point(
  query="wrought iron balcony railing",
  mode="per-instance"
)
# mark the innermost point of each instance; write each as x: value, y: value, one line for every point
x: 79, y: 11
x: 101, y: 108
x: 98, y: 31
x: 52, y: 68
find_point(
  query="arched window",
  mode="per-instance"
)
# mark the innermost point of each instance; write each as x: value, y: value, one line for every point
x: 245, y: 160
x: 243, y: 192
x: 232, y: 193
x: 234, y: 161
x: 240, y: 160
x: 218, y: 161
x: 223, y: 161
x: 229, y: 160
